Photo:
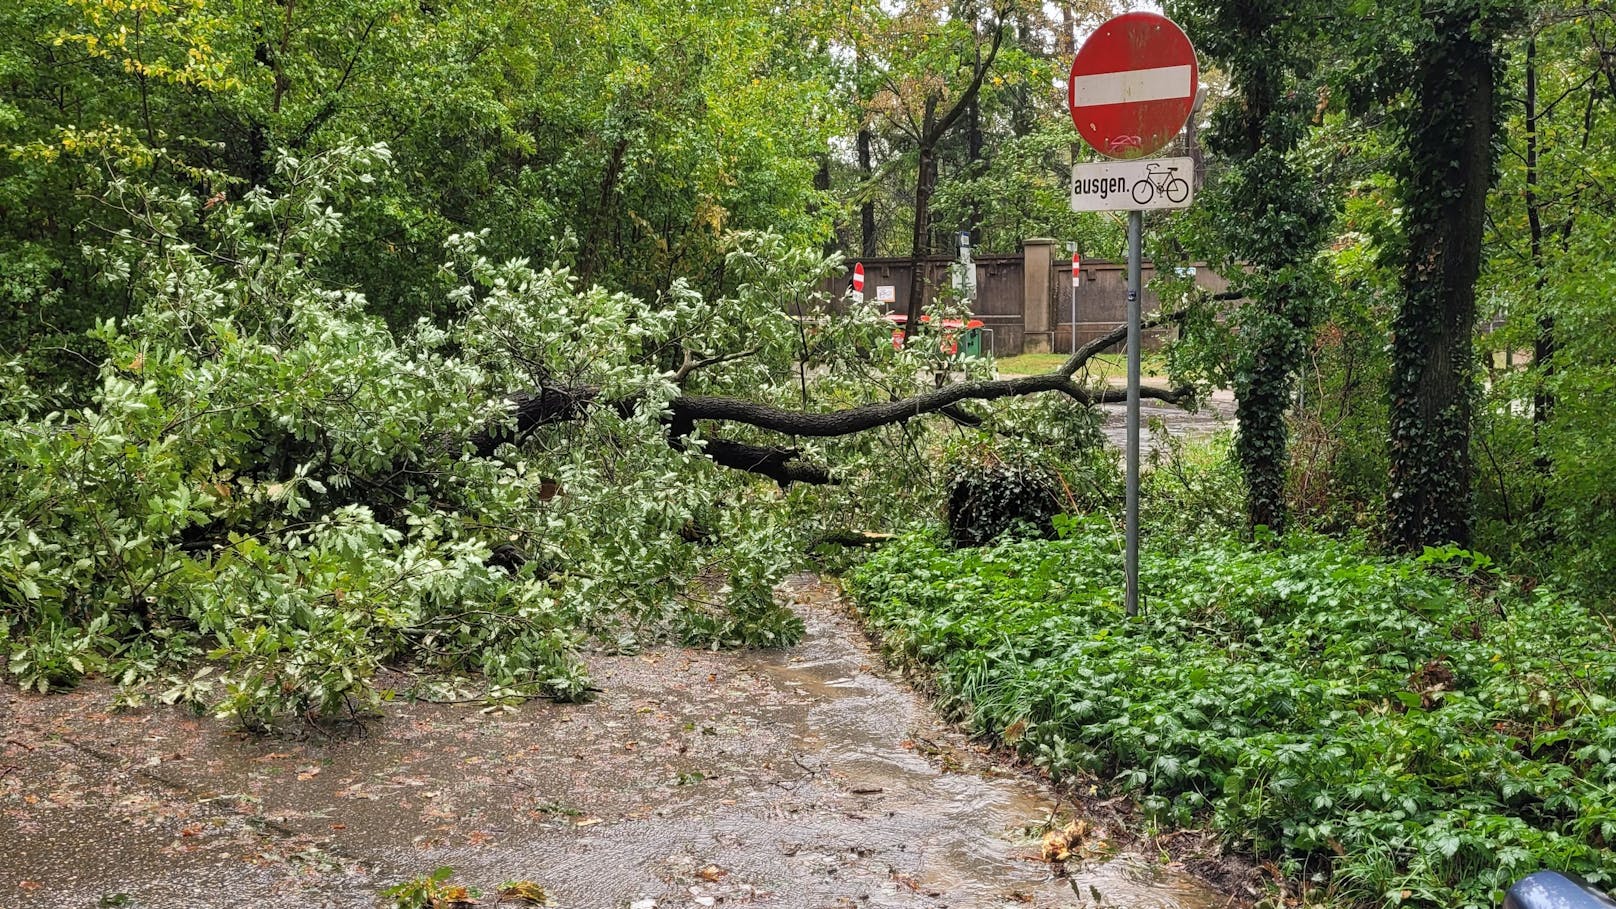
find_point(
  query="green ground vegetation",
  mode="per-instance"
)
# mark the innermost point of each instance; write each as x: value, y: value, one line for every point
x: 448, y: 339
x: 1417, y: 731
x: 1106, y: 367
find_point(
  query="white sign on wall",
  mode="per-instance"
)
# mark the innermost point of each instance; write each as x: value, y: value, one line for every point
x: 1147, y: 183
x: 886, y: 293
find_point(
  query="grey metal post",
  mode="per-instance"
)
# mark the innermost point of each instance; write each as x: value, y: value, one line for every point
x: 1135, y: 245
x: 1074, y: 316
x: 1071, y: 247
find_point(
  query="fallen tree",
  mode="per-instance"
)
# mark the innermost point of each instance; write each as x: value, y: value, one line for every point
x: 551, y: 404
x: 271, y: 494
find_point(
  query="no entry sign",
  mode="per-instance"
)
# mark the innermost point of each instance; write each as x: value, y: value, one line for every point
x: 1133, y: 85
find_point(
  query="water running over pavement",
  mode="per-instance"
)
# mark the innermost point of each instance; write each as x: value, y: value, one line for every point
x: 799, y: 778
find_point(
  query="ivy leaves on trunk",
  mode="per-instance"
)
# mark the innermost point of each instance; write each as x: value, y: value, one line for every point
x: 1449, y: 129
x: 1271, y: 219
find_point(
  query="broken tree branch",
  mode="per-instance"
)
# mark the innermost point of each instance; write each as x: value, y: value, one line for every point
x: 548, y: 405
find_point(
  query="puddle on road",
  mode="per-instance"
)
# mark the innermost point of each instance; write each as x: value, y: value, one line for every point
x: 1215, y: 414
x: 802, y: 778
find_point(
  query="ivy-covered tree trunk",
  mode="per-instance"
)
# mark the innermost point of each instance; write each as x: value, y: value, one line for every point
x: 1271, y: 221
x: 1263, y: 387
x: 1450, y: 168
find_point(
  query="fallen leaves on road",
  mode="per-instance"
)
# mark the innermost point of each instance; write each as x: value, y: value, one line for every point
x: 524, y: 893
x: 1077, y: 839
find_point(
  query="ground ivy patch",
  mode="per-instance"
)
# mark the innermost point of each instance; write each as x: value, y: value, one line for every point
x: 1423, y: 729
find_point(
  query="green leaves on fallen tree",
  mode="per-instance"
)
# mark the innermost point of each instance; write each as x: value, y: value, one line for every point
x: 268, y: 479
x: 218, y: 495
x: 270, y: 484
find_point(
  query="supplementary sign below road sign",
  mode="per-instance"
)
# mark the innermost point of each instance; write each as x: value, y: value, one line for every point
x: 1133, y: 185
x: 1133, y: 85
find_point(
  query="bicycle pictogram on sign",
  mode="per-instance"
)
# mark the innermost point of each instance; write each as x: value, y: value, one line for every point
x: 1160, y: 179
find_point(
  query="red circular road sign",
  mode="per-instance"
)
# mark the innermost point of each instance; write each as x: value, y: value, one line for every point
x: 1133, y: 85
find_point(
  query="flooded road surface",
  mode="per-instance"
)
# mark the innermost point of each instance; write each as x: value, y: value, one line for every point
x: 799, y: 778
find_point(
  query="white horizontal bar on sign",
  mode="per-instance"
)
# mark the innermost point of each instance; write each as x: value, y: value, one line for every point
x: 1164, y: 83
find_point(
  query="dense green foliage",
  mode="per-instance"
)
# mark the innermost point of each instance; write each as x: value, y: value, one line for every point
x: 1422, y: 731
x: 354, y: 349
x: 622, y: 138
x: 1544, y: 493
x: 1407, y: 374
x: 1270, y: 250
x: 277, y: 278
x: 268, y: 477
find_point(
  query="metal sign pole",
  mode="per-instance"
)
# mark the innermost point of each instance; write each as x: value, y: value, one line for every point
x: 1135, y: 243
x: 1133, y: 85
x: 1076, y: 262
x: 1074, y: 315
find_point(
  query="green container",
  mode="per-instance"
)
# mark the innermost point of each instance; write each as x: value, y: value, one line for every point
x: 971, y: 342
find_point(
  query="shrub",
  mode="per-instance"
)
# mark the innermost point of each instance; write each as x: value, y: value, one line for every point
x: 989, y: 497
x: 1042, y: 458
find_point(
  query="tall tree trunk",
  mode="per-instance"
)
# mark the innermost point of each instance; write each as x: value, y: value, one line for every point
x: 973, y: 149
x: 1450, y: 165
x: 1273, y: 220
x: 925, y: 182
x: 1262, y: 399
x: 867, y: 207
x: 822, y: 185
x: 1543, y: 344
x: 589, y: 254
x: 932, y: 130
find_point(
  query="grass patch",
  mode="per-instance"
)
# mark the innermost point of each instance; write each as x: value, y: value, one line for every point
x: 1399, y: 731
x: 1108, y: 366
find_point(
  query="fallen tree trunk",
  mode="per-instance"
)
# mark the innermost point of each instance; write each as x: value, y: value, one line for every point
x: 553, y: 404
